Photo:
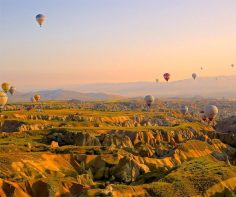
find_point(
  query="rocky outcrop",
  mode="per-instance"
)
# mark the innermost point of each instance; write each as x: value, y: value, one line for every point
x: 116, y: 140
x: 226, y: 130
x: 138, y: 136
x: 40, y: 188
x: 66, y: 137
x: 19, y: 126
x: 144, y: 149
x: 128, y: 170
x: 54, y: 144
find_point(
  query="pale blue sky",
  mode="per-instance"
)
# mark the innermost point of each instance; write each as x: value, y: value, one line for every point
x: 86, y: 41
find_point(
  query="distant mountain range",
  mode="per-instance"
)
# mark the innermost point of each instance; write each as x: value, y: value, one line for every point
x: 207, y: 87
x: 214, y: 87
x: 62, y: 95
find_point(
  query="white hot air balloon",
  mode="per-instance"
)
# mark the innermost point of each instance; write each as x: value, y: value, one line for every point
x: 32, y: 99
x: 149, y: 99
x: 211, y: 112
x: 184, y: 109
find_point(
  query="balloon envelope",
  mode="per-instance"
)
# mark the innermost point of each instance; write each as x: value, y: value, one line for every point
x: 166, y: 76
x: 40, y: 19
x: 211, y: 111
x: 194, y: 76
x: 184, y: 109
x: 37, y: 97
x: 32, y: 99
x: 3, y: 99
x: 149, y: 99
x: 12, y: 90
x: 6, y: 87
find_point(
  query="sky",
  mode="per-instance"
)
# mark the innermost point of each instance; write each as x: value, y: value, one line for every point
x: 99, y: 41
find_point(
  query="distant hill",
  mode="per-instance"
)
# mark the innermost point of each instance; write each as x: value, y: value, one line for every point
x: 205, y: 87
x: 215, y: 87
x: 62, y: 95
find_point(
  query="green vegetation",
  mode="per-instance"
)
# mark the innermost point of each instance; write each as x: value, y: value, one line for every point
x: 157, y: 152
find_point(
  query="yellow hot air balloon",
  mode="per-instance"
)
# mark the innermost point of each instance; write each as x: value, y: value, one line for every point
x: 3, y: 99
x: 6, y: 87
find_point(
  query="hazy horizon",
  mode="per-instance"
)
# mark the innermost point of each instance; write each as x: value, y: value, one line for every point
x: 76, y: 86
x: 114, y: 41
x: 203, y: 87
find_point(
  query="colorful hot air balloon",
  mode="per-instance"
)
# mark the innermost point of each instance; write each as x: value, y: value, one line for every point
x: 6, y: 87
x: 40, y: 19
x: 184, y: 109
x: 166, y: 76
x: 149, y: 99
x: 194, y: 76
x: 12, y: 90
x: 3, y: 99
x: 201, y: 68
x: 157, y: 80
x: 211, y: 112
x: 232, y: 65
x: 37, y: 97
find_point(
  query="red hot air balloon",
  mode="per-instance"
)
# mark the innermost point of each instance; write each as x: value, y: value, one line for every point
x: 166, y: 76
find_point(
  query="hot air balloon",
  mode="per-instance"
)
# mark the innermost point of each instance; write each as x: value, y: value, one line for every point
x: 12, y: 90
x: 184, y: 109
x: 157, y: 80
x: 6, y: 87
x: 211, y: 112
x: 37, y: 97
x: 194, y: 76
x: 232, y: 65
x: 201, y: 68
x: 166, y: 76
x: 32, y: 99
x: 149, y: 99
x: 3, y: 99
x: 40, y: 19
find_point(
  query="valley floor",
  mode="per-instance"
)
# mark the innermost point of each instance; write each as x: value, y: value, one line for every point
x: 87, y: 152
